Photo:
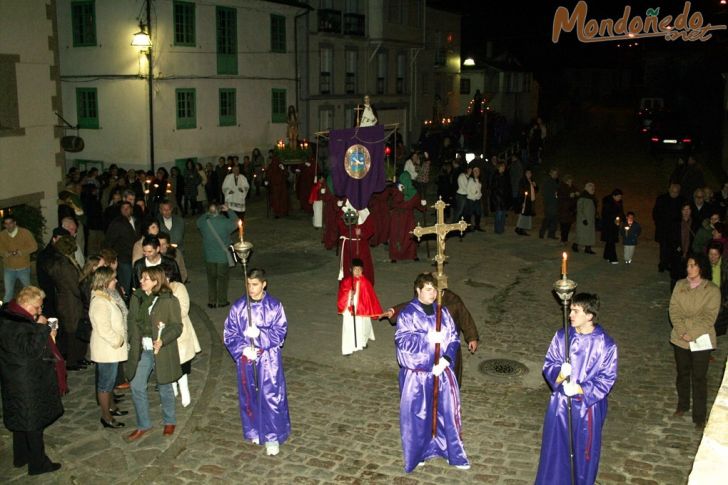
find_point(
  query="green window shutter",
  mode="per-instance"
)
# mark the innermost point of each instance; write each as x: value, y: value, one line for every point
x: 186, y: 108
x: 83, y: 23
x: 277, y: 33
x: 227, y: 107
x: 183, y: 14
x: 227, y: 40
x: 87, y: 108
x: 278, y: 100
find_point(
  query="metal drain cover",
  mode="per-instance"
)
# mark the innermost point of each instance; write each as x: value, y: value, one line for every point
x: 502, y: 368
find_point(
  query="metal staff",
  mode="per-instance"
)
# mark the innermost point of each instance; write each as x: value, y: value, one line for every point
x: 241, y: 250
x: 564, y: 289
x: 350, y: 219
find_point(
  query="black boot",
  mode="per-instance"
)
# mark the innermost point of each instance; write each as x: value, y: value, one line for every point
x: 575, y: 247
x: 588, y: 250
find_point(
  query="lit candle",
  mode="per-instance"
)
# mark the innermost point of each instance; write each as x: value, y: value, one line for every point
x: 563, y: 263
x: 240, y: 228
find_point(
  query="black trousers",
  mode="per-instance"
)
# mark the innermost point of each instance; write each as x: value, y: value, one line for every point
x: 549, y: 223
x: 610, y: 251
x: 666, y: 250
x: 692, y: 368
x: 28, y: 448
x: 565, y: 227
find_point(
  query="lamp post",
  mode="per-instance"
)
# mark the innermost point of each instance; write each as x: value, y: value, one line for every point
x: 142, y: 40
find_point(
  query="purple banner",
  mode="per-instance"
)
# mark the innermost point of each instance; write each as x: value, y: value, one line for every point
x: 356, y: 158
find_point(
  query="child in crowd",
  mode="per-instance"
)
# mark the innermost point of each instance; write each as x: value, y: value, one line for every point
x: 630, y: 230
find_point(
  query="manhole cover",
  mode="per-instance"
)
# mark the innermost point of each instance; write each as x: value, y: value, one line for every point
x: 502, y: 368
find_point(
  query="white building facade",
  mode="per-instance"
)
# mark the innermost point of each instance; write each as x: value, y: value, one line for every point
x: 223, y: 78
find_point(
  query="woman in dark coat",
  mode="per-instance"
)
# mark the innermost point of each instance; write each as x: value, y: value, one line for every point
x: 612, y: 218
x: 524, y: 208
x: 154, y: 324
x: 500, y: 196
x: 65, y: 273
x: 30, y: 393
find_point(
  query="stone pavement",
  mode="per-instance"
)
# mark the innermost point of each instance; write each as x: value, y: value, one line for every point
x: 344, y: 410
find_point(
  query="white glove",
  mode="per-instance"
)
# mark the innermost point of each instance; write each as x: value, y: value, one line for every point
x: 435, y: 337
x: 340, y: 203
x: 571, y: 388
x: 424, y: 202
x: 565, y: 370
x: 440, y: 367
x: 250, y: 353
x: 323, y: 191
x: 251, y: 332
x: 280, y: 165
x: 308, y: 164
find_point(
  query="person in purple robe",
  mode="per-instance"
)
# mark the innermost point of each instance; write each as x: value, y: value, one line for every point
x: 256, y: 350
x: 415, y: 340
x: 587, y: 380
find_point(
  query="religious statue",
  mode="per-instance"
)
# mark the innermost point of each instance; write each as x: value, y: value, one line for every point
x: 366, y: 114
x: 292, y: 132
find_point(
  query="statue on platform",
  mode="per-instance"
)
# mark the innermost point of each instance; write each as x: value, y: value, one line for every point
x: 366, y: 115
x: 292, y: 131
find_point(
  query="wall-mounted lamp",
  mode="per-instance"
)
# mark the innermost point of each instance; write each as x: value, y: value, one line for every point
x: 469, y: 62
x: 141, y: 39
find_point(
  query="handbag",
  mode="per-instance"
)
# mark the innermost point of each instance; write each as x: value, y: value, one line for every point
x: 231, y: 260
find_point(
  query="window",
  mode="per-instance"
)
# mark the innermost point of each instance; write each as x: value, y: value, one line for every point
x: 184, y: 23
x: 227, y: 40
x: 87, y: 108
x: 351, y: 6
x: 326, y: 118
x: 83, y: 21
x: 350, y: 84
x: 381, y: 72
x: 424, y: 83
x: 327, y: 60
x: 278, y: 101
x: 464, y: 85
x: 349, y: 116
x: 186, y: 109
x: 401, y: 72
x: 9, y: 114
x: 227, y: 107
x: 277, y: 33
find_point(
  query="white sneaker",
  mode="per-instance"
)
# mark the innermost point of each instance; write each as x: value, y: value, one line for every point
x: 272, y: 448
x: 463, y: 467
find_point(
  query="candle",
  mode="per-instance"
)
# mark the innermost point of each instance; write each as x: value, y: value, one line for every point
x: 240, y: 229
x: 159, y: 334
x: 563, y: 263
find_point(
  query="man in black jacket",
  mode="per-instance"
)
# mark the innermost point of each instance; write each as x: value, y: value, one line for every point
x: 154, y: 257
x: 121, y: 235
x: 30, y: 394
x: 666, y: 215
x: 44, y: 260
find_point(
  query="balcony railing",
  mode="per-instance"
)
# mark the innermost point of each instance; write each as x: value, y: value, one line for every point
x: 350, y: 83
x: 329, y: 21
x: 325, y: 83
x: 354, y: 24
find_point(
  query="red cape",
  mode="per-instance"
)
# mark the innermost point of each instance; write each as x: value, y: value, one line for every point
x: 368, y: 304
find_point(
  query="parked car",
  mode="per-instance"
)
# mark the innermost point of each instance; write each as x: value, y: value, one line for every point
x: 649, y: 109
x: 671, y: 132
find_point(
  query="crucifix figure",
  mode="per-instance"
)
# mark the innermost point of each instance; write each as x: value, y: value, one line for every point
x: 441, y: 230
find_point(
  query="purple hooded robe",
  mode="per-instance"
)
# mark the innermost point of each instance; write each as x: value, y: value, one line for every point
x: 265, y: 413
x: 416, y: 356
x: 594, y: 368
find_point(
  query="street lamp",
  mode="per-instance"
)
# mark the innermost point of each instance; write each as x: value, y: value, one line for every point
x: 142, y: 41
x: 469, y: 62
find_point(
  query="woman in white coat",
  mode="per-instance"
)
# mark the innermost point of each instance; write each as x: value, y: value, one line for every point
x: 187, y: 343
x: 235, y: 188
x: 107, y: 313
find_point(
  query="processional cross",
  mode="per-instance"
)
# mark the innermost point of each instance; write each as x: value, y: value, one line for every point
x: 440, y: 229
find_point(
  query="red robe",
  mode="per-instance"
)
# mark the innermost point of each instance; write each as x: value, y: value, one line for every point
x: 278, y: 187
x: 305, y: 179
x: 368, y: 304
x: 379, y: 213
x: 402, y: 244
x: 358, y: 247
x: 332, y: 211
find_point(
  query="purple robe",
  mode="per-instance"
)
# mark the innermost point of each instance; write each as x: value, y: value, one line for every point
x: 263, y: 413
x: 594, y: 364
x: 416, y: 356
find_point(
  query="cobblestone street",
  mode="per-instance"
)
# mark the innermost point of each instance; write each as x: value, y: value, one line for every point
x: 344, y: 410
